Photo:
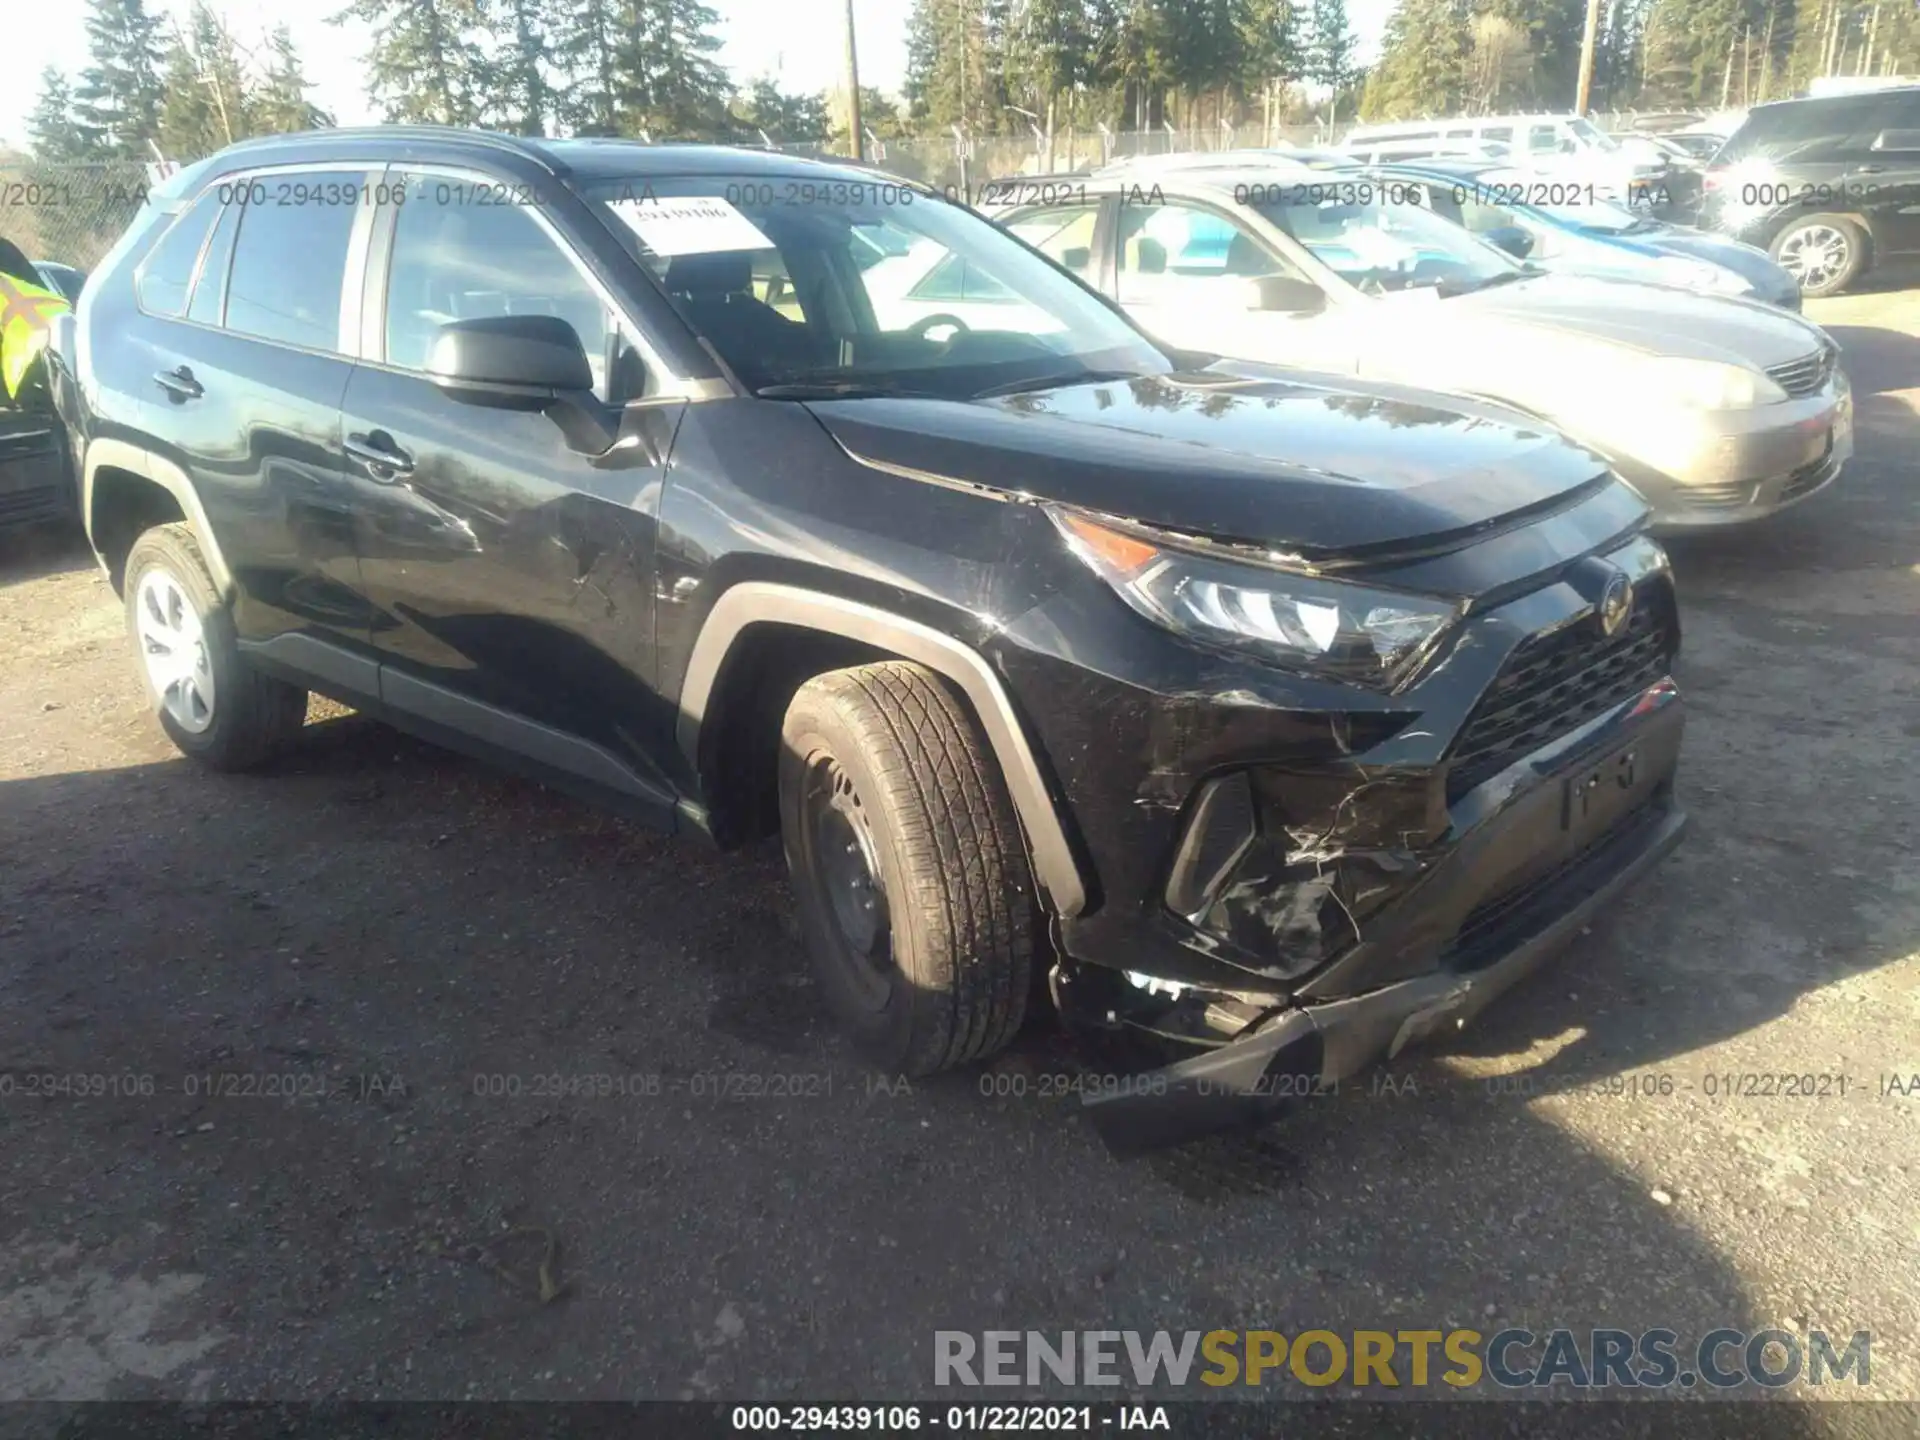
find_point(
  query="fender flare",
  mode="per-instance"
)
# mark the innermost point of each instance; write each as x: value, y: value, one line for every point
x: 169, y: 477
x: 1055, y: 866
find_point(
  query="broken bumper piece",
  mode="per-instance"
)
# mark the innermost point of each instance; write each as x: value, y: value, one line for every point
x: 1304, y: 1051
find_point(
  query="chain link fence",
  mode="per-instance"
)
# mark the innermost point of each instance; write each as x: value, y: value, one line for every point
x: 68, y: 213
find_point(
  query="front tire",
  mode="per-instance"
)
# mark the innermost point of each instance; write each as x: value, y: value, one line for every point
x: 215, y: 707
x: 913, y: 885
x: 1824, y: 253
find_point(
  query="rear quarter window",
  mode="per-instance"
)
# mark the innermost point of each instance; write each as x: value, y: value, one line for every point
x: 166, y: 275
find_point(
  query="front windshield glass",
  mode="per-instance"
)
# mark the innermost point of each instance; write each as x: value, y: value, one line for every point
x: 1601, y: 216
x: 1389, y: 243
x: 1592, y: 134
x: 811, y: 287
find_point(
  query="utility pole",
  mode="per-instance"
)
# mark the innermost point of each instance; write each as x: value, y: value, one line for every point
x: 1588, y: 42
x: 853, y: 92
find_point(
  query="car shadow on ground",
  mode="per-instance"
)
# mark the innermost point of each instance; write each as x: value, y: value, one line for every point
x: 480, y: 1005
x: 35, y: 551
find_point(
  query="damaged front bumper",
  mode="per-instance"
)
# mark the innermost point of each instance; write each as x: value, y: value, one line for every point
x: 1302, y: 1052
x: 1501, y: 902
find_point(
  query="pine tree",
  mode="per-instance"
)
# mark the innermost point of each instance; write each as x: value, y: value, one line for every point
x: 52, y: 131
x: 951, y: 75
x: 189, y: 126
x: 789, y: 119
x: 281, y: 104
x: 424, y: 65
x: 1423, y: 62
x: 1330, y: 46
x: 118, y: 102
x: 584, y: 40
x: 520, y: 98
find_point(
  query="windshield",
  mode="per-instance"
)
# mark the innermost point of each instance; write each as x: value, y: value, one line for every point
x: 1592, y: 134
x: 1389, y: 243
x: 1603, y: 217
x: 810, y: 287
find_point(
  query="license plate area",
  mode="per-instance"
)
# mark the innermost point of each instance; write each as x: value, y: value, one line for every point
x: 1604, y: 791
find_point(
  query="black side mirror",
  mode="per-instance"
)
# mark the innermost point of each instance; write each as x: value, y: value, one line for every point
x: 1076, y: 257
x: 1512, y: 239
x: 1285, y: 294
x: 516, y: 357
x: 524, y: 362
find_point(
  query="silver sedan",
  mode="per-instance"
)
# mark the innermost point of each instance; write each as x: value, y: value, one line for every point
x: 1717, y: 410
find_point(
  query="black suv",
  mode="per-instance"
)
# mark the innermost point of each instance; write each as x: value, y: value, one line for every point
x: 1273, y: 716
x: 1829, y: 186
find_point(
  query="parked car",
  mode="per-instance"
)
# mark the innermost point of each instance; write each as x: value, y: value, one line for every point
x: 1282, y: 716
x: 1829, y: 187
x: 36, y: 483
x: 64, y: 278
x: 1716, y: 409
x: 1578, y: 235
x: 1702, y: 145
x: 1565, y: 147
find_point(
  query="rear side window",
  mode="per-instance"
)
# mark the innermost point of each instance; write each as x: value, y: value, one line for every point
x: 210, y: 290
x: 167, y: 274
x: 290, y: 264
x: 1806, y: 130
x: 1064, y: 235
x: 1497, y: 132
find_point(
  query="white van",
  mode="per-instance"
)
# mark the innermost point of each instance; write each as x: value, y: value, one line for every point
x: 1569, y: 147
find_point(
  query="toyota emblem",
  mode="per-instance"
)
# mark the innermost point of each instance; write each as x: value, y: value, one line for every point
x: 1616, y: 603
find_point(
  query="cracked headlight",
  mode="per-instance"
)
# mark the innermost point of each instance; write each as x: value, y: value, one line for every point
x: 1710, y: 385
x: 1328, y: 628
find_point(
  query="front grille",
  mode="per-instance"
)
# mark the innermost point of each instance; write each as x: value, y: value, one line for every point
x: 1810, y: 476
x: 1558, y: 680
x: 1804, y: 376
x: 1720, y: 494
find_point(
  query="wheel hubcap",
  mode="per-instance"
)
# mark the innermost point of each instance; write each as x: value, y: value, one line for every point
x: 848, y: 876
x: 173, y: 648
x: 1815, y: 255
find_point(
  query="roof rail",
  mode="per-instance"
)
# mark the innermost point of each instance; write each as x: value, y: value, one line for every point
x: 495, y: 140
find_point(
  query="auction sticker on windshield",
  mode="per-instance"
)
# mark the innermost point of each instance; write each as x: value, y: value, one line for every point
x: 690, y: 225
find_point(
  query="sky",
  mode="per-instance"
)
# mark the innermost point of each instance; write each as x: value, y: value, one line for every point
x: 795, y: 42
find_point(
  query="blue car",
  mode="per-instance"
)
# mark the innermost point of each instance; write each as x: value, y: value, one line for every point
x: 1589, y: 235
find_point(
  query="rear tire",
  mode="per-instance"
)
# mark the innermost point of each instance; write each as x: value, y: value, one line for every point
x: 215, y: 707
x: 914, y: 890
x: 1824, y: 253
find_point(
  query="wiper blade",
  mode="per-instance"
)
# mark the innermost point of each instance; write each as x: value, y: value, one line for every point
x: 839, y: 390
x: 1505, y: 277
x: 1051, y: 382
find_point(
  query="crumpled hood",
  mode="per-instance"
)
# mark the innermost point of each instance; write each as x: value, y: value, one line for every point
x: 1306, y: 463
x: 1652, y: 321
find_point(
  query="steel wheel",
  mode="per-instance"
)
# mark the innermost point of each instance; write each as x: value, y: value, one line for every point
x: 174, y: 650
x: 1816, y: 255
x: 846, y: 872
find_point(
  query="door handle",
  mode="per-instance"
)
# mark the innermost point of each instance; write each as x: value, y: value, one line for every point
x: 179, y: 383
x: 1869, y: 169
x: 380, y: 455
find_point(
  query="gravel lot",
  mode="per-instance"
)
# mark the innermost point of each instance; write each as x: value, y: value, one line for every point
x: 386, y: 923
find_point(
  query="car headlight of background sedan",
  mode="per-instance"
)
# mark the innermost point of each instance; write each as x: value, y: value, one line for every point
x: 1709, y: 384
x: 1702, y: 275
x: 1328, y: 628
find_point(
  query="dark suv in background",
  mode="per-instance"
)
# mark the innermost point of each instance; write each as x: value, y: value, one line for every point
x: 1278, y: 717
x: 1830, y: 187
